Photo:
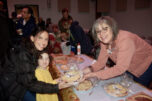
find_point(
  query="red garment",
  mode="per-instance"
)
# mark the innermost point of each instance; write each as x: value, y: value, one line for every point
x: 54, y: 45
x: 52, y: 37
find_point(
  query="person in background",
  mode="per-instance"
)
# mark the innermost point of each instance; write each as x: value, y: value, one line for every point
x: 7, y: 31
x: 64, y: 21
x: 77, y: 35
x: 5, y: 34
x: 64, y: 26
x: 41, y: 23
x: 5, y: 41
x: 3, y: 9
x: 17, y: 78
x: 13, y: 22
x: 48, y: 25
x: 54, y: 45
x: 56, y: 32
x: 42, y: 74
x: 14, y: 17
x: 129, y: 52
x: 26, y: 23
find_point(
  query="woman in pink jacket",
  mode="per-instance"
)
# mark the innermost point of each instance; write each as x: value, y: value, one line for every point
x: 128, y: 51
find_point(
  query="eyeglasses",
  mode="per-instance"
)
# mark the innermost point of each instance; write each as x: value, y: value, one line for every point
x: 103, y: 30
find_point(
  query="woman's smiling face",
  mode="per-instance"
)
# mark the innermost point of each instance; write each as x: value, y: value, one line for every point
x: 40, y: 40
x: 104, y: 33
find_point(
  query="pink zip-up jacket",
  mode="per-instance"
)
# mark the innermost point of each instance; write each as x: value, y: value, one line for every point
x: 131, y: 53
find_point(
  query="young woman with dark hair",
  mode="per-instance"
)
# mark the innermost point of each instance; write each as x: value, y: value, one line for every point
x: 18, y: 70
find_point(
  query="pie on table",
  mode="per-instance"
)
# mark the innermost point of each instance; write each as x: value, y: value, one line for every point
x: 71, y: 76
x: 141, y: 96
x: 77, y: 59
x: 61, y: 61
x: 64, y: 67
x: 85, y: 85
x: 64, y: 59
x: 115, y: 89
x: 80, y: 60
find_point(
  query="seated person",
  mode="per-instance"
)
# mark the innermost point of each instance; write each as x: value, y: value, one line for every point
x: 56, y: 32
x: 77, y: 35
x: 54, y: 45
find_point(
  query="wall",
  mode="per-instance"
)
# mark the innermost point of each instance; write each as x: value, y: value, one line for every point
x: 137, y: 21
x: 85, y: 19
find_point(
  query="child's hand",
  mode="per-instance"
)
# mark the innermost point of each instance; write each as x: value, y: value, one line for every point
x: 64, y: 85
x: 58, y: 80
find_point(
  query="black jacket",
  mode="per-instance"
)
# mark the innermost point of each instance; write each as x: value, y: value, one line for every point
x: 5, y: 36
x: 80, y: 37
x: 18, y: 75
x: 28, y: 27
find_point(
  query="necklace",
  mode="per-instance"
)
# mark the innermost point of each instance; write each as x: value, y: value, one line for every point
x: 109, y: 49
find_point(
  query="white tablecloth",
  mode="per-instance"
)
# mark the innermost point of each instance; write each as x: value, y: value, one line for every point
x: 98, y: 92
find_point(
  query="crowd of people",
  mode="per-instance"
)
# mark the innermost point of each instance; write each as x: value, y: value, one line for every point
x: 24, y: 74
x: 22, y: 57
x: 67, y: 30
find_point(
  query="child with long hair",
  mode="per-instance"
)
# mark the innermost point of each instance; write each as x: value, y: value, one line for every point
x: 42, y: 74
